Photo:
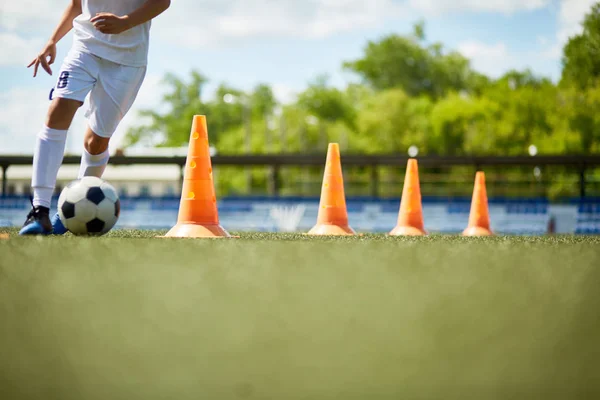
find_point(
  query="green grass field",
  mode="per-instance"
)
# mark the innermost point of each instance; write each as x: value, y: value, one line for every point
x: 267, y: 316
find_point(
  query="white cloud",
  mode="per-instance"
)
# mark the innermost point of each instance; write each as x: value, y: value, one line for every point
x: 478, y: 49
x: 284, y: 93
x: 436, y: 7
x: 212, y: 23
x: 495, y: 59
x: 492, y: 59
x: 21, y: 117
x: 209, y: 23
x: 572, y: 13
x: 17, y: 50
x: 553, y: 52
x: 30, y: 15
x: 571, y: 16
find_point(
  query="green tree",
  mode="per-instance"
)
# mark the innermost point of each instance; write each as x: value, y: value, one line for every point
x: 581, y: 86
x: 517, y: 79
x: 461, y: 125
x: 392, y: 121
x: 581, y: 113
x: 526, y: 105
x: 406, y: 62
x: 262, y: 101
x: 327, y: 103
x: 581, y: 64
x: 323, y: 107
x: 225, y: 111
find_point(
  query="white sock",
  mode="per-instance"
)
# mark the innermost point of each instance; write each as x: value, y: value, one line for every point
x: 93, y: 164
x: 47, y: 158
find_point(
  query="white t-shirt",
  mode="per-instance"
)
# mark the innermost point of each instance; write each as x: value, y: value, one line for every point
x: 127, y: 48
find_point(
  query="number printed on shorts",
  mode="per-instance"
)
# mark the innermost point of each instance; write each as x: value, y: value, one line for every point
x: 63, y: 79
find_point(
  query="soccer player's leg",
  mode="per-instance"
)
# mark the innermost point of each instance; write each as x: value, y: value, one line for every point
x: 76, y: 79
x: 48, y: 155
x: 110, y: 100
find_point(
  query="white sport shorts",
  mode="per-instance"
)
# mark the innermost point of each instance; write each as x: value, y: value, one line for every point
x: 112, y: 88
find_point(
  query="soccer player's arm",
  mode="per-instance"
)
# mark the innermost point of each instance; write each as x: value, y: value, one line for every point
x: 114, y: 24
x: 48, y: 53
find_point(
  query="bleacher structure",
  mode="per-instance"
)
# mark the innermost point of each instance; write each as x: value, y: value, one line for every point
x: 296, y: 214
x: 531, y: 216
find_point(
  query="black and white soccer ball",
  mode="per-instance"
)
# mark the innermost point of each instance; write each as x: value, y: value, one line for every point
x: 89, y: 206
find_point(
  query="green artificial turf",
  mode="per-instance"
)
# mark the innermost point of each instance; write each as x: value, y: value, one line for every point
x: 286, y: 316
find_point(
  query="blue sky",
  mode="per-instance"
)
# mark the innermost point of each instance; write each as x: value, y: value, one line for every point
x: 284, y: 43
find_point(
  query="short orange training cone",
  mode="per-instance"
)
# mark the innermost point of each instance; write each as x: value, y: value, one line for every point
x: 479, y: 219
x: 198, y: 215
x: 333, y: 215
x: 410, y: 217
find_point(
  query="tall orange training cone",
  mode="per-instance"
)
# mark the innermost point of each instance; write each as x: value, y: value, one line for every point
x: 333, y: 215
x: 198, y: 216
x: 410, y: 217
x: 479, y: 219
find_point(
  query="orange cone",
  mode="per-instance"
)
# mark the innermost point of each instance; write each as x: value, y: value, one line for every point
x: 410, y: 217
x: 333, y: 215
x: 198, y: 216
x: 479, y: 219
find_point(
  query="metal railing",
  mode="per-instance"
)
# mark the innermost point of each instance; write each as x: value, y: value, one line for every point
x: 274, y: 163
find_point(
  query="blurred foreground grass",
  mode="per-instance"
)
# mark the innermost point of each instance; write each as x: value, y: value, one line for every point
x: 294, y: 317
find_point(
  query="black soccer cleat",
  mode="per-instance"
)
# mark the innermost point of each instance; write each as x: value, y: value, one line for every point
x: 38, y: 222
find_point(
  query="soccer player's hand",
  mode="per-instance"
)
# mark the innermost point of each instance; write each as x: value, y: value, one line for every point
x: 110, y: 24
x: 45, y: 59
